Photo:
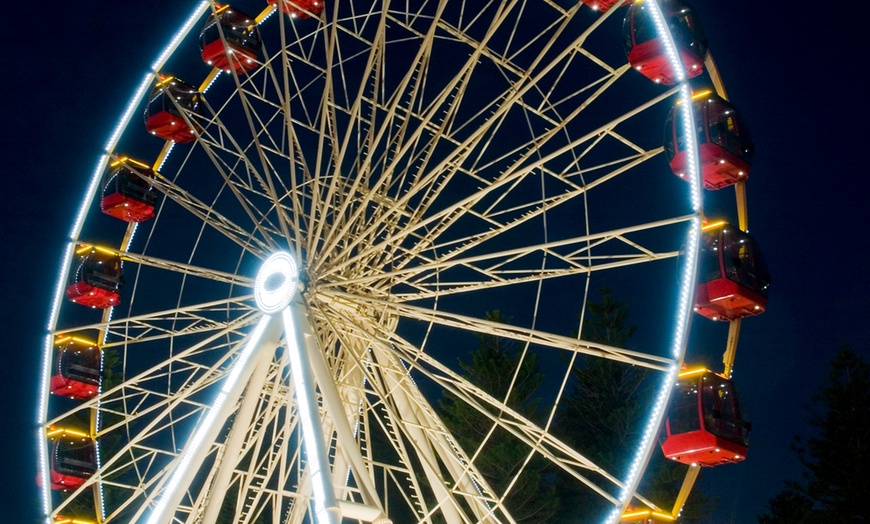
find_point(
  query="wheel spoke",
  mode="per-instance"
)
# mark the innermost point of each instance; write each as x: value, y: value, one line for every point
x: 419, y: 162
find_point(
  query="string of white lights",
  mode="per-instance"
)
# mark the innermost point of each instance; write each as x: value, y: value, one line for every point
x: 206, y: 425
x: 317, y: 463
x: 274, y: 288
x: 90, y: 193
x: 688, y: 269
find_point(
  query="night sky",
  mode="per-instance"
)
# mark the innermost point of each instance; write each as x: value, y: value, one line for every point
x: 794, y: 73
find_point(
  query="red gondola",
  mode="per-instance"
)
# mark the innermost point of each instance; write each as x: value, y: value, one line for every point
x: 96, y: 280
x: 242, y: 39
x: 723, y: 140
x: 73, y: 458
x: 77, y: 368
x: 605, y: 5
x: 127, y: 191
x: 704, y: 425
x: 733, y: 278
x: 646, y: 50
x: 300, y: 8
x: 170, y: 100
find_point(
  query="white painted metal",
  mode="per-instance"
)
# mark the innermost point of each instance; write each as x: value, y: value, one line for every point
x: 313, y: 440
x: 212, y: 499
x: 187, y: 465
x: 335, y: 410
x: 423, y: 163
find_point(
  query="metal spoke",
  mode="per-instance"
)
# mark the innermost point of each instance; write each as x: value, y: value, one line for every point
x: 417, y: 163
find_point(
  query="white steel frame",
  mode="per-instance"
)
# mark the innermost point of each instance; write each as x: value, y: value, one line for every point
x: 440, y: 178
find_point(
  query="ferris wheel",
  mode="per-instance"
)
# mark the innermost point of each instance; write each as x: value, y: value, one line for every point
x: 264, y: 303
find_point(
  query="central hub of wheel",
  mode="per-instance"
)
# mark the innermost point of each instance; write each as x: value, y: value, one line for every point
x: 276, y: 282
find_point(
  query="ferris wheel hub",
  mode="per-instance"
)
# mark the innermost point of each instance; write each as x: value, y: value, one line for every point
x: 276, y: 282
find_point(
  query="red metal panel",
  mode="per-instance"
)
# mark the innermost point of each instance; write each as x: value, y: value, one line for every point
x: 702, y: 448
x: 217, y: 56
x: 169, y: 127
x: 301, y: 8
x: 126, y: 208
x: 649, y: 59
x: 73, y: 389
x: 91, y: 296
x: 604, y: 5
x: 724, y: 299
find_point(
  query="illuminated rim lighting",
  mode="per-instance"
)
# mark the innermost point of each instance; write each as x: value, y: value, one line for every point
x: 272, y: 299
x: 205, y: 426
x: 325, y: 507
x: 688, y: 270
x: 276, y: 282
x: 127, y: 115
x: 276, y: 300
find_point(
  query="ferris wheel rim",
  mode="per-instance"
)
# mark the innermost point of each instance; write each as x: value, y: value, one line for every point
x: 74, y: 237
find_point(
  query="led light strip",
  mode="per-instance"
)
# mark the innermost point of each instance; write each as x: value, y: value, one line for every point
x: 206, y: 425
x: 689, y: 269
x: 274, y: 289
x: 325, y: 506
x: 43, y: 394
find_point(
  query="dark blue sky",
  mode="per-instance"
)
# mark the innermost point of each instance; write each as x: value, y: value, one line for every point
x: 793, y: 72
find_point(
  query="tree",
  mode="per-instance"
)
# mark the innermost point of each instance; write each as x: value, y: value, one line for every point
x: 498, y: 367
x: 836, y: 457
x: 793, y: 507
x: 603, y: 413
x: 599, y: 414
x: 607, y: 321
x: 604, y: 404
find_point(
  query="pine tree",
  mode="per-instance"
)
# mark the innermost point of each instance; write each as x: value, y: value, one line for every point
x: 493, y: 367
x: 599, y: 414
x: 793, y: 507
x: 836, y: 457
